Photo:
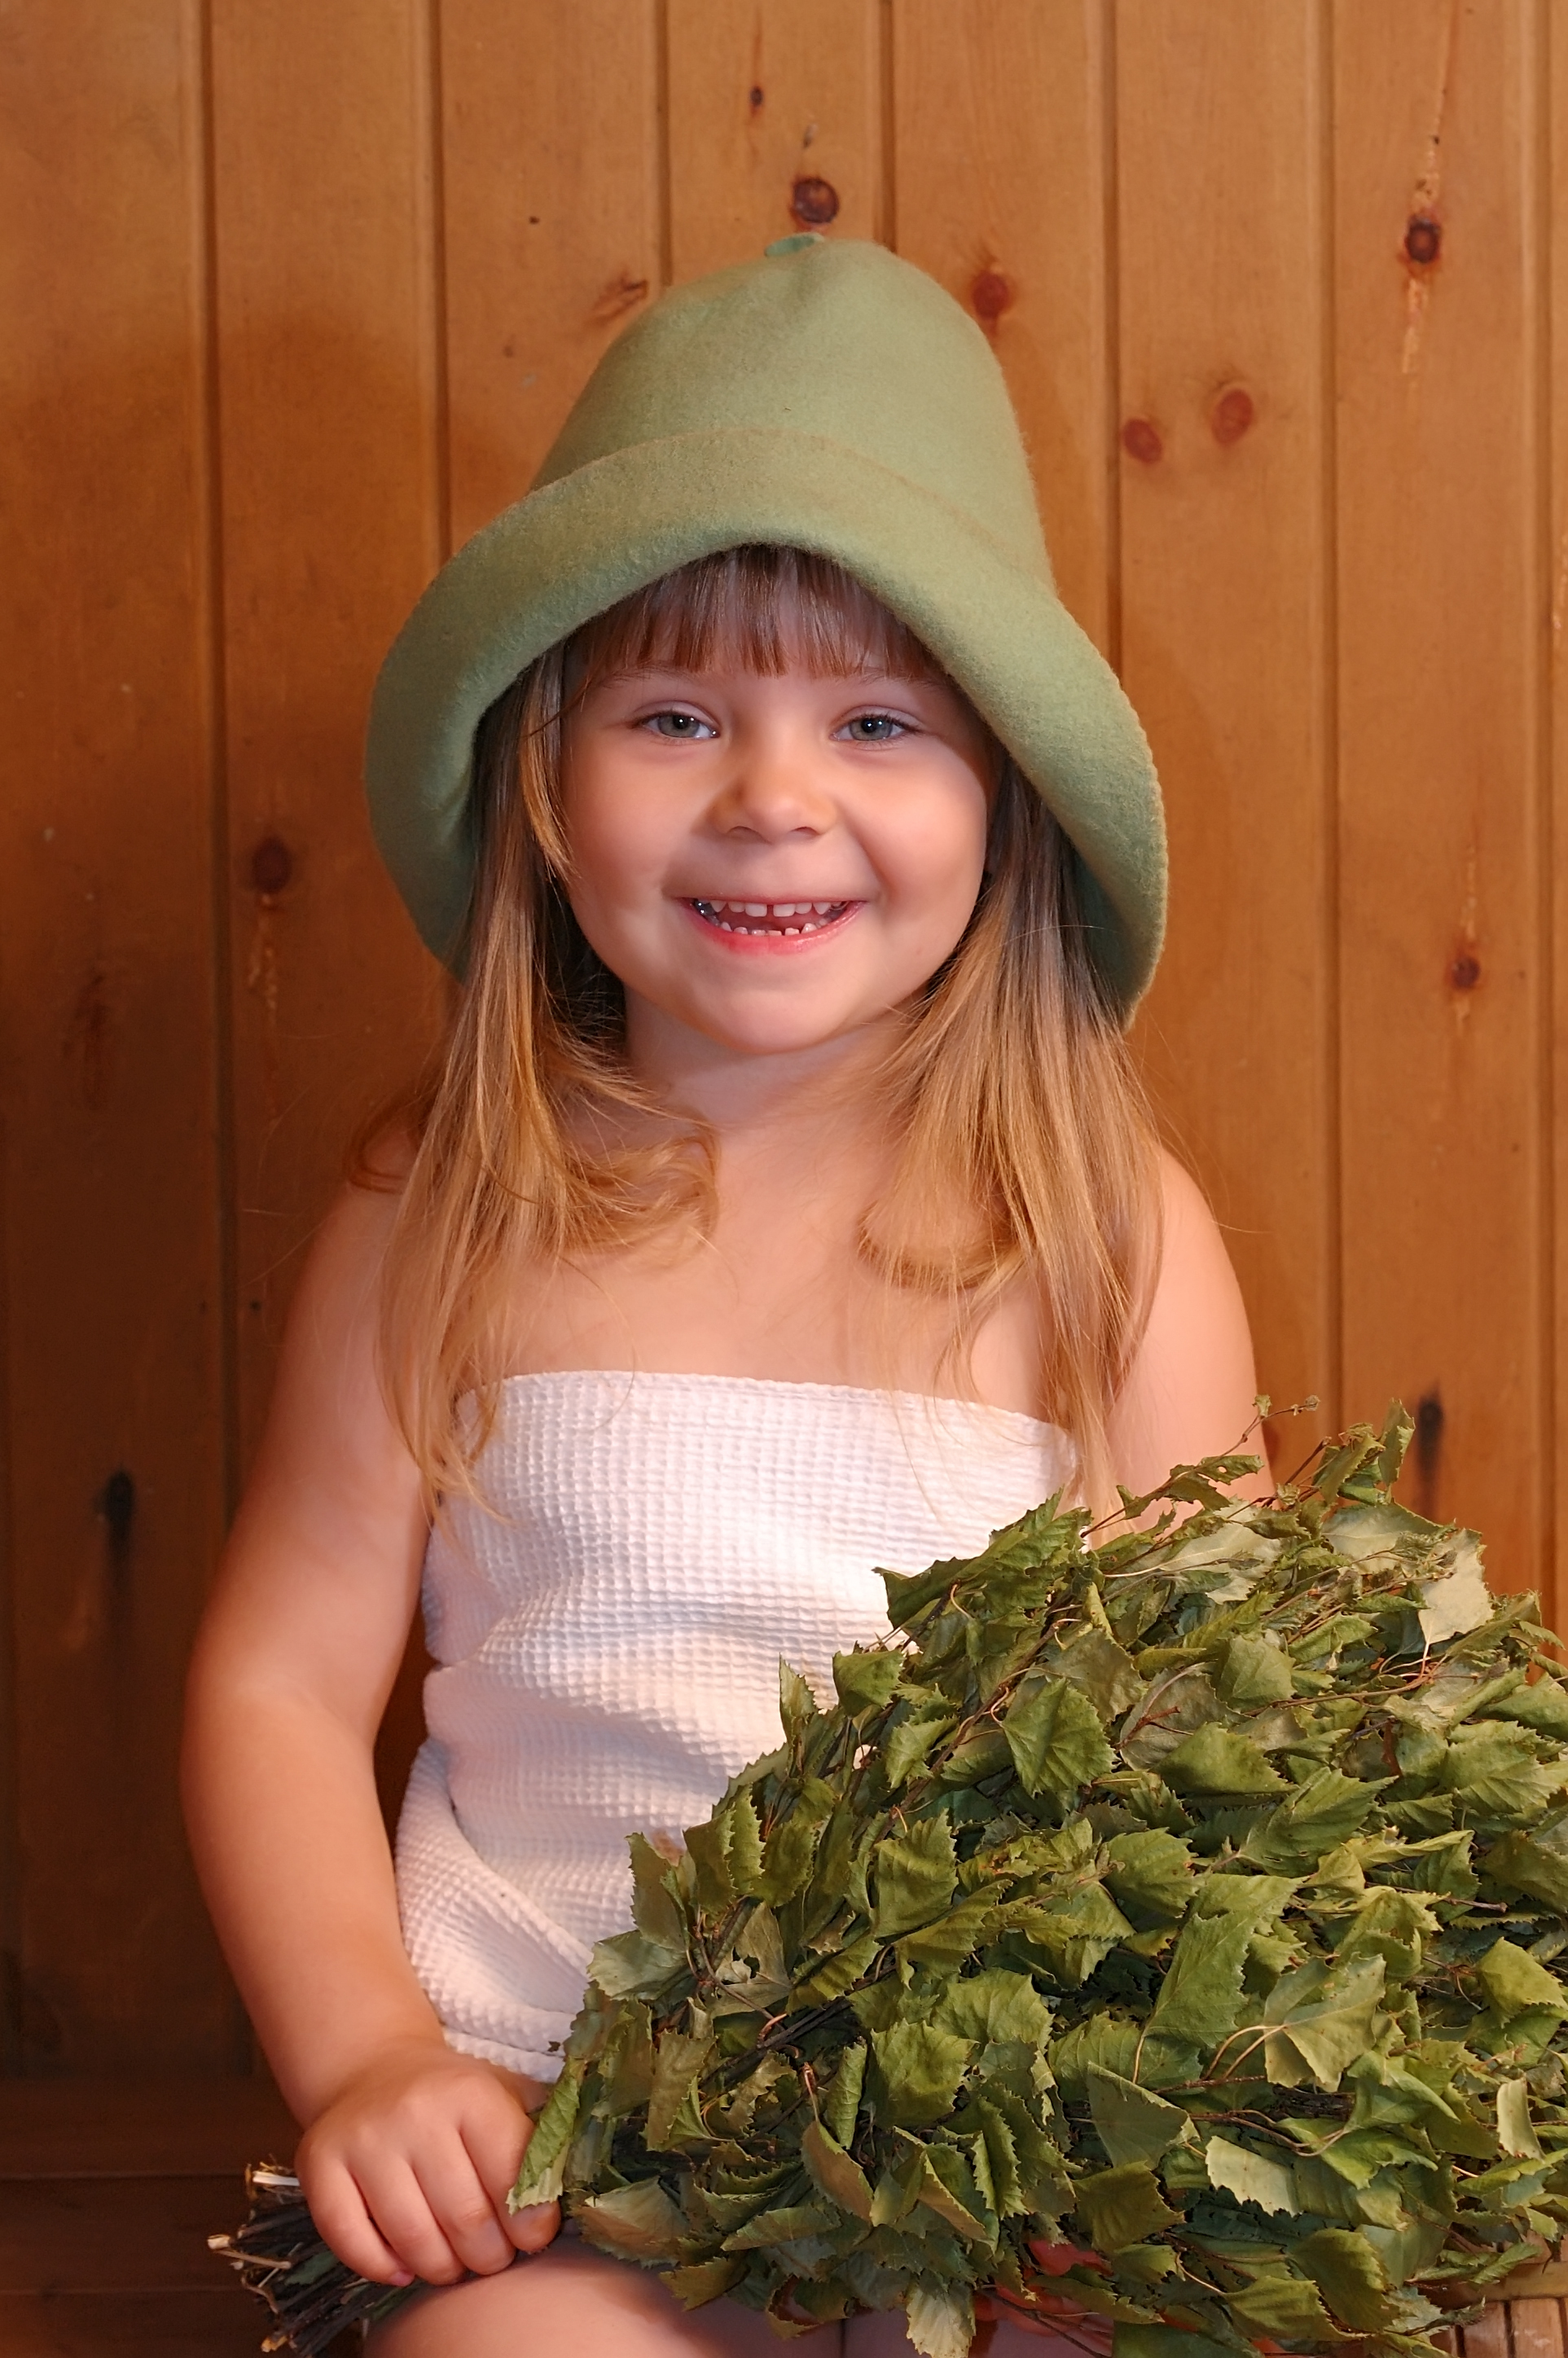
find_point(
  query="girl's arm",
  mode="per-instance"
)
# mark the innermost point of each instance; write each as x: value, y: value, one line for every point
x: 409, y: 2147
x: 1193, y: 1385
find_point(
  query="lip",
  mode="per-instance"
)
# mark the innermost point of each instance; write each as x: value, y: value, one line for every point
x: 771, y: 944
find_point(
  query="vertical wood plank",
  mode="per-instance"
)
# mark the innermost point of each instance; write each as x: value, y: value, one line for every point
x: 1439, y: 598
x: 551, y: 204
x: 776, y: 122
x: 322, y: 134
x: 1000, y: 178
x: 114, y: 1369
x: 1555, y: 131
x: 1224, y: 632
x: 1489, y: 2337
x: 1535, y: 2328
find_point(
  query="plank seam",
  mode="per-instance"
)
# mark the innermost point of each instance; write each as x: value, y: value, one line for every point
x: 1333, y: 1110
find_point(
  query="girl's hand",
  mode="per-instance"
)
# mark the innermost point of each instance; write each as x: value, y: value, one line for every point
x: 407, y: 2170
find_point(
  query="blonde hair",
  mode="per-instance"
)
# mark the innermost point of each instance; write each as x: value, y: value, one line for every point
x: 1025, y: 1152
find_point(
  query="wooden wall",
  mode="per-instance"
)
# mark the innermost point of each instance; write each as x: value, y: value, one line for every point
x: 296, y: 298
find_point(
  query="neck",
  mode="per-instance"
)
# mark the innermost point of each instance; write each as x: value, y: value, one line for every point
x: 739, y: 1093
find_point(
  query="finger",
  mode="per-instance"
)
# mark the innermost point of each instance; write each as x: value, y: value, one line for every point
x: 497, y: 2139
x: 536, y: 2224
x: 464, y: 2210
x: 399, y: 2205
x: 346, y: 2227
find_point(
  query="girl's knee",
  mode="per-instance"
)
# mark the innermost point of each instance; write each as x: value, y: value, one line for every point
x: 569, y: 2302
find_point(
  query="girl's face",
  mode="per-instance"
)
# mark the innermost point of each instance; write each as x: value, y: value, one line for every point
x: 772, y: 863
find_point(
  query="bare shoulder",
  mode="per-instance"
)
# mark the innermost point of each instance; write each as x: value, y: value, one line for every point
x: 1191, y: 1389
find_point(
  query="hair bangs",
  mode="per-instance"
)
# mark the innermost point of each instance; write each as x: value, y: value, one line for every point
x: 757, y: 608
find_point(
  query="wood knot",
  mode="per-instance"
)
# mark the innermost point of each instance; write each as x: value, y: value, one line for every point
x: 990, y: 292
x: 271, y: 867
x: 1423, y: 240
x: 623, y: 294
x: 814, y: 203
x: 1140, y: 440
x: 1465, y: 972
x: 1429, y: 1423
x: 1231, y: 416
x: 115, y: 1503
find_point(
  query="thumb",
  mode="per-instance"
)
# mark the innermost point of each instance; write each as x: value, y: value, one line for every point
x: 532, y: 2228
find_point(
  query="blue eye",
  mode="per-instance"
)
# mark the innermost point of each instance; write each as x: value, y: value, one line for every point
x: 684, y: 727
x: 874, y: 729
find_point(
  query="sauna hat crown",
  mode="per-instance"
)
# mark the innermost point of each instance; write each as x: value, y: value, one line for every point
x: 826, y: 397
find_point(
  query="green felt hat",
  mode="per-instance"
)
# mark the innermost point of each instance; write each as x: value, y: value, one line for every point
x: 826, y: 397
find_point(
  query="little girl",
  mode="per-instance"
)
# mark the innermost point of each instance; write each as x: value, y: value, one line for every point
x: 783, y: 1207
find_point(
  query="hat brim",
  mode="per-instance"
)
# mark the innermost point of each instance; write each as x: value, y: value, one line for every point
x: 576, y: 546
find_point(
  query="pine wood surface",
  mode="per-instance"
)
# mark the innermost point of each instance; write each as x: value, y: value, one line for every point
x: 297, y: 297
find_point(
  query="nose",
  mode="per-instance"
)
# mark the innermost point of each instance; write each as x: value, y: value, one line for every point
x: 772, y: 790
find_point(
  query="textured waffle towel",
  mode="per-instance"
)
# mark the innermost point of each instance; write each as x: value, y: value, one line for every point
x: 609, y: 1638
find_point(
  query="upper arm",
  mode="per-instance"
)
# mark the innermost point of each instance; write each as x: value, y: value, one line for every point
x: 1192, y: 1387
x: 321, y: 1578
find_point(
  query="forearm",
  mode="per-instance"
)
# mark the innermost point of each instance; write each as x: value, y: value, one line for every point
x: 293, y: 1857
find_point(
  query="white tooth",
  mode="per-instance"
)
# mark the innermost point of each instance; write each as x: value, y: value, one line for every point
x: 724, y: 928
x: 783, y: 909
x: 795, y: 929
x: 822, y: 907
x: 755, y: 908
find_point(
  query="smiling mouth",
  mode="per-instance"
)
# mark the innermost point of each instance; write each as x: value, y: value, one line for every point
x: 771, y: 916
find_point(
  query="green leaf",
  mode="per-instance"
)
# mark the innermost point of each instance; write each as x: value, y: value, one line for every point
x: 781, y: 2226
x: 655, y: 1909
x: 632, y: 2222
x: 797, y: 1705
x: 940, y: 2321
x: 835, y: 2172
x: 790, y: 1848
x: 837, y: 1973
x: 947, y: 2188
x: 1250, y: 2175
x: 1165, y: 2341
x: 1123, y: 2206
x: 743, y: 1844
x: 1106, y: 1674
x: 701, y: 2281
x: 1151, y: 1874
x: 1543, y: 1707
x: 706, y: 1848
x: 1216, y: 1759
x: 678, y: 2062
x: 1201, y: 1996
x: 1134, y: 2124
x: 955, y: 1937
x: 1521, y: 1863
x: 915, y: 2075
x: 1055, y: 1740
x: 540, y: 2178
x: 1321, y: 2021
x: 1350, y: 2276
x: 1515, y: 1979
x: 911, y: 1743
x: 1255, y: 1671
x: 866, y: 1678
x: 1326, y: 1811
x: 841, y: 2097
x: 633, y: 1965
x: 1008, y: 2197
x: 1279, y: 2304
x: 994, y: 2005
x: 1516, y: 2130
x: 916, y: 1874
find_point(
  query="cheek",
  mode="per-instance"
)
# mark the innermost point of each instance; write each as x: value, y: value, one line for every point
x: 936, y: 859
x: 611, y: 849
